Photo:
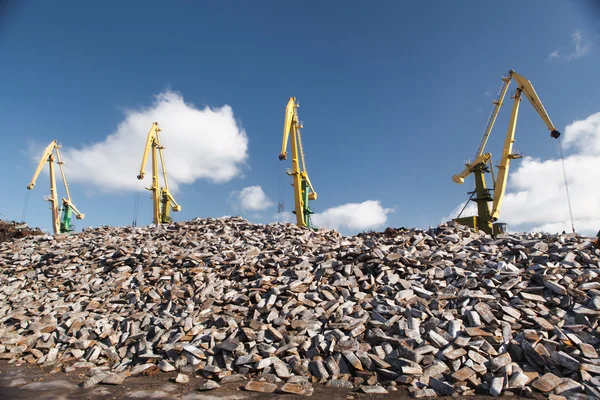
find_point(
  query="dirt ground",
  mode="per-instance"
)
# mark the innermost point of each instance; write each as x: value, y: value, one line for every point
x: 33, y: 382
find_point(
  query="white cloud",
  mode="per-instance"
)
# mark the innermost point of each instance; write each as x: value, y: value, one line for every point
x: 589, y: 227
x: 284, y: 216
x: 470, y: 210
x: 199, y: 144
x: 578, y: 48
x: 536, y: 197
x: 355, y: 216
x: 251, y: 198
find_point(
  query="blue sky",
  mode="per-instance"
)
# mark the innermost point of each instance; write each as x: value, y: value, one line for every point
x: 394, y: 96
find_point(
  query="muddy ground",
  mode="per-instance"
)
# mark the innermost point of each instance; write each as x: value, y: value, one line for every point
x: 33, y: 382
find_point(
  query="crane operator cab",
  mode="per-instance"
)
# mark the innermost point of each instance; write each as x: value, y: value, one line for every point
x: 499, y: 228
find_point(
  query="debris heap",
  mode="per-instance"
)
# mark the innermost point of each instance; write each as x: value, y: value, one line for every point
x: 10, y: 230
x: 445, y: 311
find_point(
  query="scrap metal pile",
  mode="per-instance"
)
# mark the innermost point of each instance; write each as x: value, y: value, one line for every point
x: 10, y: 230
x: 445, y: 311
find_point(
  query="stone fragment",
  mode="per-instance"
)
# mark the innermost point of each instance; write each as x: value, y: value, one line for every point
x: 463, y: 374
x: 567, y: 385
x: 373, y: 389
x: 547, y: 382
x: 442, y: 387
x: 588, y: 350
x: 94, y: 380
x: 500, y: 361
x: 301, y: 390
x: 264, y: 387
x: 165, y: 366
x: 208, y: 385
x: 446, y: 308
x: 566, y: 360
x: 518, y: 380
x: 496, y: 386
x: 424, y: 393
x: 339, y: 383
x: 233, y: 378
x: 139, y: 369
x: 114, y: 379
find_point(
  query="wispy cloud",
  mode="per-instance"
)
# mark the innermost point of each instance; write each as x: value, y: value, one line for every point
x: 578, y: 47
x: 284, y: 216
x: 555, y: 54
x: 251, y: 198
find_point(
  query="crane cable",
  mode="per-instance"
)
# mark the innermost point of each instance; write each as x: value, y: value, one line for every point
x: 136, y: 203
x: 25, y: 205
x: 562, y: 159
x: 466, y: 203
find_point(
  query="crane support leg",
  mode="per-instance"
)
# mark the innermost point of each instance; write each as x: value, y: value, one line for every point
x: 507, y: 155
x: 154, y: 189
x: 65, y: 225
x: 53, y: 196
x: 307, y: 210
x: 297, y: 183
x: 166, y: 214
x: 482, y: 221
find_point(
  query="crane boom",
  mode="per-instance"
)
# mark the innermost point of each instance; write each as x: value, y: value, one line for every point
x: 497, y: 104
x: 524, y: 87
x: 486, y: 217
x: 162, y: 199
x: 303, y: 188
x: 535, y: 101
x: 45, y: 158
x: 482, y: 159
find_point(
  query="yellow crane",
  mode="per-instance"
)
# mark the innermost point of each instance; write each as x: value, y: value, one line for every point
x: 303, y: 189
x: 486, y: 218
x: 161, y: 202
x: 68, y: 208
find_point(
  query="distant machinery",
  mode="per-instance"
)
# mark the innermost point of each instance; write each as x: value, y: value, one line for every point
x: 485, y: 219
x: 303, y: 189
x: 64, y: 224
x: 162, y: 200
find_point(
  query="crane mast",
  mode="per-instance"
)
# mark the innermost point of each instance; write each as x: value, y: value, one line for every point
x: 162, y: 199
x: 303, y: 189
x: 486, y: 218
x: 62, y: 225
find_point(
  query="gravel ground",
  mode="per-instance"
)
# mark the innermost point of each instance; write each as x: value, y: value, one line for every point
x: 33, y: 382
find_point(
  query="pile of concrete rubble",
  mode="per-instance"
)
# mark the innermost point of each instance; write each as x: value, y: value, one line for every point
x: 444, y: 312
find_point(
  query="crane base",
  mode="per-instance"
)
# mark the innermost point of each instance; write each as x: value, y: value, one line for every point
x: 474, y: 223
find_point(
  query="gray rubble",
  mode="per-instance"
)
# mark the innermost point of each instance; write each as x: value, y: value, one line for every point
x: 277, y: 308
